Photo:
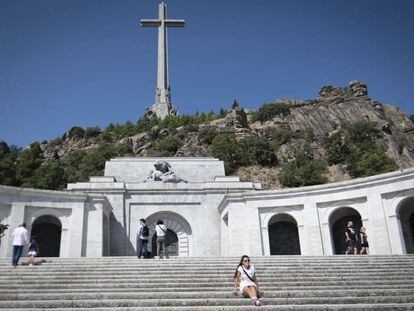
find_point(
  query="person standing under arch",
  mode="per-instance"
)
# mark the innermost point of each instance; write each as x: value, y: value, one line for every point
x: 161, y: 230
x: 364, y: 241
x: 142, y: 239
x: 351, y: 238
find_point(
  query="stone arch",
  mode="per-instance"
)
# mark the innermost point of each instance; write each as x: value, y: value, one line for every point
x: 177, y: 224
x: 48, y: 212
x: 405, y: 212
x: 338, y: 220
x: 283, y: 235
x: 48, y: 230
x: 61, y: 216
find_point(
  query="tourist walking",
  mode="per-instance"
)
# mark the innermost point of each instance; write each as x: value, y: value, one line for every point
x: 351, y: 239
x: 142, y: 239
x: 33, y: 250
x: 249, y: 286
x: 364, y: 241
x: 161, y: 231
x: 20, y: 239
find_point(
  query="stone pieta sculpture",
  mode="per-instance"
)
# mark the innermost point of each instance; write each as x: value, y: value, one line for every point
x: 163, y: 173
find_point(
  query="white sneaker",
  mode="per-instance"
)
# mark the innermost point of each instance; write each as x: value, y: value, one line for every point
x: 30, y: 265
x: 258, y: 302
x: 254, y: 300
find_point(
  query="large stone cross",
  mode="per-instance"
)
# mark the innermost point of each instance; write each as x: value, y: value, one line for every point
x: 162, y: 106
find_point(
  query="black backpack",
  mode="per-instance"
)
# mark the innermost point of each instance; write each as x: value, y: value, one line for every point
x: 145, y: 231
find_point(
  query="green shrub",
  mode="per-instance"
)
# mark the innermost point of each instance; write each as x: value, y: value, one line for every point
x: 356, y: 147
x: 123, y: 150
x: 222, y: 113
x: 92, y: 131
x: 259, y: 150
x: 207, y: 135
x: 76, y: 132
x: 28, y: 162
x: 167, y: 147
x: 145, y: 124
x: 336, y: 148
x: 269, y: 111
x: 303, y: 170
x: 56, y: 142
x: 226, y: 148
x: 50, y: 175
x: 93, y: 162
x: 362, y: 163
x: 235, y: 104
x: 283, y: 136
x: 362, y: 134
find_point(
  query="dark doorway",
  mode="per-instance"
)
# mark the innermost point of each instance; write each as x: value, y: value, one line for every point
x: 283, y: 236
x: 338, y: 221
x: 48, y: 231
x: 172, y: 244
x: 406, y: 213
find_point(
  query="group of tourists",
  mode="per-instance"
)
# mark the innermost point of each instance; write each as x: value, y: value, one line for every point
x: 143, y: 237
x: 20, y: 237
x: 352, y: 240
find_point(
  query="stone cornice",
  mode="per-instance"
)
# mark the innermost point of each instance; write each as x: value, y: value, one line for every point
x: 39, y: 193
x: 354, y: 184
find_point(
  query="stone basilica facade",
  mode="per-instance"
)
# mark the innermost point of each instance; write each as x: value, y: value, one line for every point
x: 208, y: 213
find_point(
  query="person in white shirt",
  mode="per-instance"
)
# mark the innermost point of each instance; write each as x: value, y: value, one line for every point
x: 161, y: 230
x: 246, y: 275
x: 20, y: 239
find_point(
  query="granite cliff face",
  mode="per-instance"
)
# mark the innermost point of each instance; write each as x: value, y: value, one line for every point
x: 336, y: 107
x: 333, y: 110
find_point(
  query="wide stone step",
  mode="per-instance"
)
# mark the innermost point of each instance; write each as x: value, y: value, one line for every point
x: 166, y: 286
x: 204, y: 261
x: 193, y: 274
x: 113, y: 288
x: 336, y: 307
x: 206, y: 295
x: 195, y: 279
x: 200, y: 302
x: 203, y: 269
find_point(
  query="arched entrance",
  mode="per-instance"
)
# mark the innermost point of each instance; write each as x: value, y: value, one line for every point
x: 178, y: 236
x: 406, y: 214
x: 47, y: 230
x: 171, y: 242
x: 338, y: 222
x: 283, y: 235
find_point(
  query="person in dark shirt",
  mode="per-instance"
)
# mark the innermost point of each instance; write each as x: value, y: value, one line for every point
x: 351, y: 239
x: 364, y: 241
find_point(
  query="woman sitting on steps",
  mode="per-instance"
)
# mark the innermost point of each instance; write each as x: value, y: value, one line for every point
x: 246, y: 275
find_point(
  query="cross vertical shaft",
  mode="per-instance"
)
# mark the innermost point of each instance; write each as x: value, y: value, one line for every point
x: 162, y: 106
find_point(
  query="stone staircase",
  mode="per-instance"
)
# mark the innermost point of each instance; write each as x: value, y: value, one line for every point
x: 289, y: 282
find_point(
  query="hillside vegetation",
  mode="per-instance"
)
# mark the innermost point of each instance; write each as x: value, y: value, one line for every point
x: 340, y: 135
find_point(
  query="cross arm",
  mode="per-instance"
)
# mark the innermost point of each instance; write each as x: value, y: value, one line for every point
x: 150, y: 22
x: 174, y: 22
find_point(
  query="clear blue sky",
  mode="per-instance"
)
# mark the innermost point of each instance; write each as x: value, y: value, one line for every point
x: 87, y: 62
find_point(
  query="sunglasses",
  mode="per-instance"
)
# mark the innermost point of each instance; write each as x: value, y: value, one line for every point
x: 246, y: 260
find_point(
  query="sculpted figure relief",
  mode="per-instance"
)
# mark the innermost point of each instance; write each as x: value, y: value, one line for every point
x: 163, y: 173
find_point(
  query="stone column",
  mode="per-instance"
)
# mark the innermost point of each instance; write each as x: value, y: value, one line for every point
x: 311, y: 242
x: 378, y: 234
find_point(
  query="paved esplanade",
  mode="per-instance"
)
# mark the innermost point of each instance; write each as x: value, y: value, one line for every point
x: 162, y: 106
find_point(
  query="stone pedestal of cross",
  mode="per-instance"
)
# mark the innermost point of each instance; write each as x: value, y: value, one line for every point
x: 162, y: 106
